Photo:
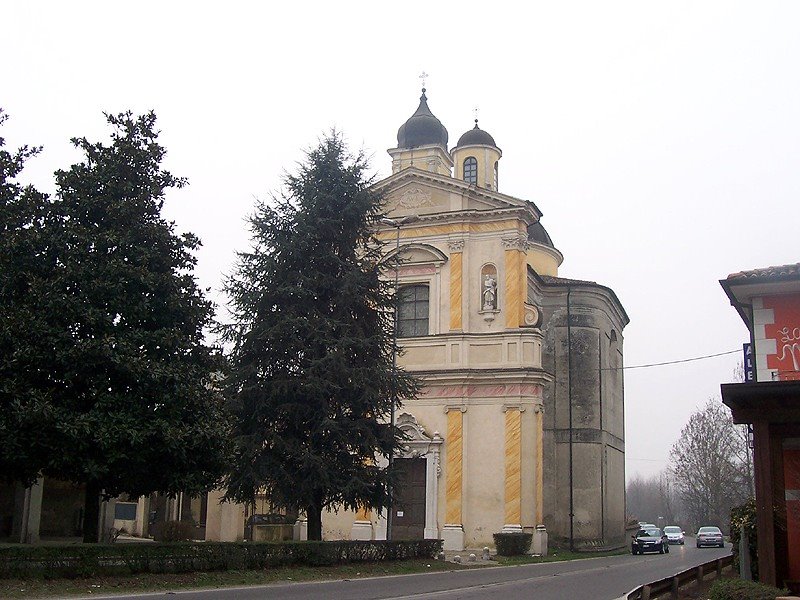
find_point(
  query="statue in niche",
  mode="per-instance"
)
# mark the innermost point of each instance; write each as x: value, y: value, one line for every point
x: 489, y: 293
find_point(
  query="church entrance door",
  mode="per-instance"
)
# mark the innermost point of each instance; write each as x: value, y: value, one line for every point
x: 408, y: 522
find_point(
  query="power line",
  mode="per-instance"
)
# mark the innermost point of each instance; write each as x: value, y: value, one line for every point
x: 671, y: 362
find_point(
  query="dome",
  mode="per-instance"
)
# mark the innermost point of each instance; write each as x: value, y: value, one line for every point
x: 538, y: 234
x: 476, y: 137
x: 422, y: 128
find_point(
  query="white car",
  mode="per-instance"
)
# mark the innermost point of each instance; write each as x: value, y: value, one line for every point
x: 710, y: 536
x: 674, y: 534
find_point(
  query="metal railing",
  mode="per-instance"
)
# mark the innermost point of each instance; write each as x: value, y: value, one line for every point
x: 673, y: 583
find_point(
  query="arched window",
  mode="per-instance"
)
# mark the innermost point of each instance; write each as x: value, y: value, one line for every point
x: 471, y: 170
x: 496, y: 178
x: 412, y: 316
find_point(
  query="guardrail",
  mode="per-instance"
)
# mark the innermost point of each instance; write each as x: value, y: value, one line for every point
x: 674, y: 582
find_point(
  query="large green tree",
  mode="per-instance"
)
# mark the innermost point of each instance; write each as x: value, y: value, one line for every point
x: 123, y: 370
x: 25, y: 259
x: 311, y: 378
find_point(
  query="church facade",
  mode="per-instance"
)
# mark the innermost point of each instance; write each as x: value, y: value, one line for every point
x: 520, y: 422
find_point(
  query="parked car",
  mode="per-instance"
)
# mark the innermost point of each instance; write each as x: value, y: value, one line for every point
x: 674, y: 534
x: 710, y: 536
x: 649, y: 539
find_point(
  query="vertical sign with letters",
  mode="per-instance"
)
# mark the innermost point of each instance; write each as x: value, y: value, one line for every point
x: 749, y: 372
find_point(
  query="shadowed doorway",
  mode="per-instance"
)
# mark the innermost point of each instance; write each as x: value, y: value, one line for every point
x: 408, y: 521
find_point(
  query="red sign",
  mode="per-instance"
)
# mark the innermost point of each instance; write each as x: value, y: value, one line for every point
x: 785, y: 330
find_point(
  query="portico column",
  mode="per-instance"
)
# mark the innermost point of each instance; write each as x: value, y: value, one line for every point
x: 453, y: 530
x: 513, y: 470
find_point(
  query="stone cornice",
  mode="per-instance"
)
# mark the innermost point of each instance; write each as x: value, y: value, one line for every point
x: 483, y: 376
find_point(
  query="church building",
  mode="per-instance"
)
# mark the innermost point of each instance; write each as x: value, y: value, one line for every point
x: 520, y: 422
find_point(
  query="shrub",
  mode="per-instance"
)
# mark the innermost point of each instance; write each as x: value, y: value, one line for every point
x: 174, y: 531
x: 745, y: 516
x: 740, y: 589
x: 512, y: 544
x: 96, y: 559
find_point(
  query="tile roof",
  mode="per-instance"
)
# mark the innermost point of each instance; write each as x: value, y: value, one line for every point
x: 767, y: 273
x: 563, y: 280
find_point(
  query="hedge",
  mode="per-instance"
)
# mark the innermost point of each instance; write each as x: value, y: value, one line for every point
x: 122, y: 559
x: 739, y: 589
x: 512, y: 544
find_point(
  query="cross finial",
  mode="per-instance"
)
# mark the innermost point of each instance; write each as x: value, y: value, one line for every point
x: 423, y: 76
x: 475, y: 112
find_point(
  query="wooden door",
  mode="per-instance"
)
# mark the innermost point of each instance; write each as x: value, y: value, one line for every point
x: 408, y: 520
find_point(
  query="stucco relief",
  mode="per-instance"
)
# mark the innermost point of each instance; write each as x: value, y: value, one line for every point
x: 515, y: 242
x: 456, y: 245
x: 409, y: 270
x: 533, y: 316
x: 415, y: 197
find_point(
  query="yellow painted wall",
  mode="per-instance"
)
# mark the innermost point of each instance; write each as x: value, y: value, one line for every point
x: 544, y: 263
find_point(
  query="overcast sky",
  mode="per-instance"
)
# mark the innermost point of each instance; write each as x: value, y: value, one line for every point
x: 660, y: 140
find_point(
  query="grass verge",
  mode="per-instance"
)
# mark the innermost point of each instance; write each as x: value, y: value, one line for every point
x: 150, y: 582
x: 555, y: 556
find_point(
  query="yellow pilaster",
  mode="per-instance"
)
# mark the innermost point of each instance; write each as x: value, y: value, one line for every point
x: 455, y: 291
x: 514, y: 288
x: 454, y: 466
x: 513, y: 487
x: 363, y: 514
x: 539, y: 466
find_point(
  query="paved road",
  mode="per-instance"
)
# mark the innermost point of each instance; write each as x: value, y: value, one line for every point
x: 605, y: 578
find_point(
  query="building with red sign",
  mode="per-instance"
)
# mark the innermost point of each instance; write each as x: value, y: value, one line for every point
x: 768, y: 300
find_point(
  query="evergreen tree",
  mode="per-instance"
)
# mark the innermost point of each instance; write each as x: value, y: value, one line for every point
x: 25, y: 259
x: 311, y: 380
x: 120, y: 356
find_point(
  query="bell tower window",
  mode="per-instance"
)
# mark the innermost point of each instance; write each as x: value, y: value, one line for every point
x: 471, y: 170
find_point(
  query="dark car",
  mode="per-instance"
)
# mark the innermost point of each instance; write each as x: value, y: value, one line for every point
x: 650, y: 539
x: 710, y: 536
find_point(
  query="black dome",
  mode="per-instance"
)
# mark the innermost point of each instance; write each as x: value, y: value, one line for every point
x: 476, y: 137
x: 422, y: 128
x: 538, y: 234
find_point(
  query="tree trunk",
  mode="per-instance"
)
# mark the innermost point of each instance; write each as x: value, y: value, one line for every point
x: 314, y: 522
x: 91, y: 513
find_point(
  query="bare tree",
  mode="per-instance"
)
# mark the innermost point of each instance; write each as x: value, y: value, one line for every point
x: 710, y: 466
x: 653, y: 497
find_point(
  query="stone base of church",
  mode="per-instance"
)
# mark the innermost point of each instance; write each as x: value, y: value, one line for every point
x: 453, y: 536
x: 361, y: 530
x: 512, y: 528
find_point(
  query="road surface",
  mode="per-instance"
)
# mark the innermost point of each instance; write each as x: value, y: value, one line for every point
x: 605, y: 578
